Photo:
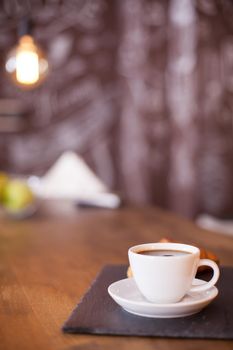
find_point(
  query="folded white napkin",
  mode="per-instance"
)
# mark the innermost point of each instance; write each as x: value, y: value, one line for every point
x: 71, y: 178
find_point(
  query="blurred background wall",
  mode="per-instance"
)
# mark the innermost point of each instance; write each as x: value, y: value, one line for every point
x: 142, y: 89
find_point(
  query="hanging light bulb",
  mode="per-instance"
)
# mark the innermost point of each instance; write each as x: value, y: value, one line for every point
x: 26, y: 62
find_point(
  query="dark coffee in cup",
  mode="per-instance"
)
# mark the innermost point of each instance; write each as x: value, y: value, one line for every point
x: 163, y: 252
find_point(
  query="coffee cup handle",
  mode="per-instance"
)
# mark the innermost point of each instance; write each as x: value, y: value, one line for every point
x: 203, y: 287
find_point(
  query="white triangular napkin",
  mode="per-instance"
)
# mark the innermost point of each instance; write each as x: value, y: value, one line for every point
x: 70, y: 178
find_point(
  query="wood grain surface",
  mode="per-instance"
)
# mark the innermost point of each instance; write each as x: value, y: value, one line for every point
x: 48, y: 262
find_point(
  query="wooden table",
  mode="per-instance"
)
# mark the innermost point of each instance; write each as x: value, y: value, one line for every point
x: 48, y: 262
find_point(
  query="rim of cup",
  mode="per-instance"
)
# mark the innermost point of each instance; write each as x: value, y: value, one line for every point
x: 160, y: 246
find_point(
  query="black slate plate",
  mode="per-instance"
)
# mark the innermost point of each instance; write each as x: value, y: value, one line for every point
x: 97, y: 313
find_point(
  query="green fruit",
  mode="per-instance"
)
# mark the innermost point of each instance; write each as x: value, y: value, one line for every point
x: 3, y: 181
x: 17, y: 195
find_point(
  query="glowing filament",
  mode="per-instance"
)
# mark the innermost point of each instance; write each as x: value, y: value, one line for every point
x: 27, y: 67
x: 27, y: 61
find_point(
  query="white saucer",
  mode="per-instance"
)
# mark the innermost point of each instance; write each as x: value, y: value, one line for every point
x: 126, y: 294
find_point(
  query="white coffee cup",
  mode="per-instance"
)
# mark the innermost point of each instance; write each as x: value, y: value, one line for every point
x: 166, y: 278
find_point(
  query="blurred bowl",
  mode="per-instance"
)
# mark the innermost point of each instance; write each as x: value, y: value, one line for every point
x: 23, y: 213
